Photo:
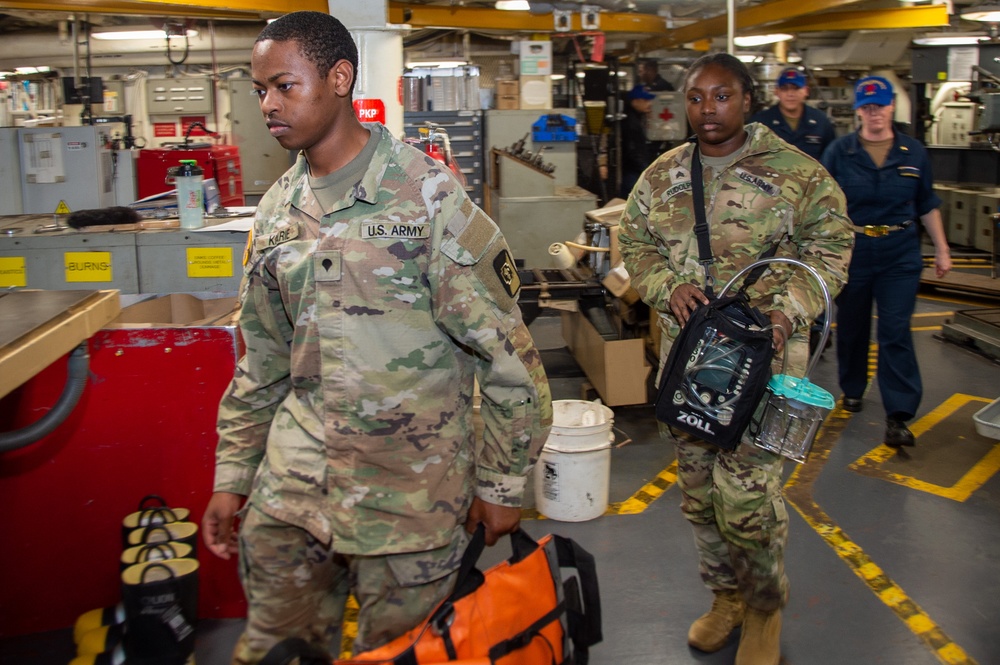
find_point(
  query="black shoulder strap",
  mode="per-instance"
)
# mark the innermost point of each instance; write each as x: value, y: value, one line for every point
x: 705, y: 257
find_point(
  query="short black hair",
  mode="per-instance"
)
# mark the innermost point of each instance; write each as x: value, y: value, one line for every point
x: 322, y: 39
x: 726, y: 61
x: 649, y: 63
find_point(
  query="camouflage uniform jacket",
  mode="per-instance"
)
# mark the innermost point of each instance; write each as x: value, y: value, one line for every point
x: 351, y: 413
x: 771, y: 191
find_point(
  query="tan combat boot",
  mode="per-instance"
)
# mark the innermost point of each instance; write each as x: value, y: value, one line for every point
x: 711, y: 631
x: 760, y: 642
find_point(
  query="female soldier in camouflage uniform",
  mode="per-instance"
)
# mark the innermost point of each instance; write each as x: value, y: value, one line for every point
x: 757, y: 189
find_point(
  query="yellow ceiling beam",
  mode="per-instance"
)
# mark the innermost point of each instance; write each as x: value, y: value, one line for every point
x: 479, y: 18
x: 746, y: 19
x: 230, y: 9
x: 918, y: 16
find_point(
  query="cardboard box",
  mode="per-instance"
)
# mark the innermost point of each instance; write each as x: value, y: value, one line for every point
x: 508, y: 102
x: 178, y: 309
x: 617, y: 369
x: 507, y: 87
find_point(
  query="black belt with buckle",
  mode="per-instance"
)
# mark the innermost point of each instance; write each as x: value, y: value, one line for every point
x: 880, y: 230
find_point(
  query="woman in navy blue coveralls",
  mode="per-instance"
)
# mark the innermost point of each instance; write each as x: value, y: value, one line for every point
x: 887, y: 179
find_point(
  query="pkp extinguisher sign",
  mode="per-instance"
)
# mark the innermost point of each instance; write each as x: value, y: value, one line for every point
x: 370, y: 110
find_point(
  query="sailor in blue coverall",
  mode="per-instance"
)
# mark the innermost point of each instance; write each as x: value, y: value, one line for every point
x: 886, y: 177
x: 799, y: 124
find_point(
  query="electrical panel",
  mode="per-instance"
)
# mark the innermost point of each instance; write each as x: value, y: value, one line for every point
x: 173, y: 96
x: 264, y: 160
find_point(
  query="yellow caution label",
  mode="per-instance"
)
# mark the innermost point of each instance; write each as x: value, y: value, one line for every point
x: 209, y: 262
x: 63, y: 209
x: 87, y: 266
x: 13, y: 271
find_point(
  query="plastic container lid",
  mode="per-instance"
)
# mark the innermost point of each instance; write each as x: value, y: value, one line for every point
x: 189, y: 167
x: 800, y: 390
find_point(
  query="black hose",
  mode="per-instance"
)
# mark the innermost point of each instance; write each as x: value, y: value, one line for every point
x: 78, y: 369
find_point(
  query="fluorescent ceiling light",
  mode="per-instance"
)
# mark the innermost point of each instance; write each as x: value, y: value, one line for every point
x: 760, y: 40
x: 437, y: 64
x: 139, y: 34
x: 31, y: 70
x: 952, y: 39
x: 985, y: 13
x: 513, y: 5
x: 748, y: 57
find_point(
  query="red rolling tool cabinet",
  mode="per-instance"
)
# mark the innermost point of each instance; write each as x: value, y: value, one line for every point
x: 221, y: 162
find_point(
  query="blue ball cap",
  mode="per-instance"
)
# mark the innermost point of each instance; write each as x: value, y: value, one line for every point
x: 872, y: 90
x: 639, y: 92
x: 792, y: 76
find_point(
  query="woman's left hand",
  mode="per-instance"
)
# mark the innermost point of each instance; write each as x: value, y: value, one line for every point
x: 942, y: 261
x: 782, y: 329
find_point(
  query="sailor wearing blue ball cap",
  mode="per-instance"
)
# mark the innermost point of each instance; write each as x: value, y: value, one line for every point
x: 887, y: 179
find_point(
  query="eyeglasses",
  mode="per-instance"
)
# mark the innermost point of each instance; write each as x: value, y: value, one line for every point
x: 871, y: 108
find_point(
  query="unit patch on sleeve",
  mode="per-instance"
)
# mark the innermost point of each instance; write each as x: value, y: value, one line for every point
x: 371, y: 230
x: 248, y: 248
x: 503, y: 263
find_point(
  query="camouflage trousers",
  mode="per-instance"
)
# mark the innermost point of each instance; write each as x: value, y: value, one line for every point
x: 297, y: 587
x: 733, y: 501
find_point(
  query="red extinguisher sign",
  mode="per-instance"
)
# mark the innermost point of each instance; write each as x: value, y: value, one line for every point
x: 370, y: 110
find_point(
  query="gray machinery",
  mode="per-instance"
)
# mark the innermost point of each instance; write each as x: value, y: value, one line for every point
x: 534, y: 197
x: 10, y: 172
x: 65, y: 167
x: 38, y: 252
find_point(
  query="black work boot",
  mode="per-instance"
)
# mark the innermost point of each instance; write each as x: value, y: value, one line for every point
x: 897, y: 434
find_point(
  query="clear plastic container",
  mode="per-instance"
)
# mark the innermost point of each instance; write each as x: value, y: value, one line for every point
x: 187, y: 178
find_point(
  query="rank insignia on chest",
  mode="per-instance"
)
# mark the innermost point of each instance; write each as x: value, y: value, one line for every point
x: 507, y: 272
x: 370, y: 230
x: 276, y: 237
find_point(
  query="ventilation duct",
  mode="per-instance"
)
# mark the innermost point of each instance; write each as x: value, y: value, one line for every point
x: 863, y: 49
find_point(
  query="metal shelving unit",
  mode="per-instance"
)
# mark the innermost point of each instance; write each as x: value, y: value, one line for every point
x: 465, y: 131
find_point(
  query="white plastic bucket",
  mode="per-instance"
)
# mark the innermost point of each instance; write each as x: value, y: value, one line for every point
x: 574, y: 470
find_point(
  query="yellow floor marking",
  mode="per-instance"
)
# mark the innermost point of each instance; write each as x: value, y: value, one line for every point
x: 952, y: 299
x: 798, y: 492
x: 982, y: 471
x: 925, y: 328
x: 649, y: 493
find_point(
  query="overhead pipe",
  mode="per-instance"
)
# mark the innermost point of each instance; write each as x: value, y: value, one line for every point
x: 77, y: 371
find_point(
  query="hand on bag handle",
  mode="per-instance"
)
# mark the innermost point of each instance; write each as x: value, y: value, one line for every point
x: 498, y: 520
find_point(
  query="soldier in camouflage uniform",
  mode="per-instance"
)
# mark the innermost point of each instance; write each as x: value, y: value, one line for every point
x: 757, y: 189
x: 375, y: 293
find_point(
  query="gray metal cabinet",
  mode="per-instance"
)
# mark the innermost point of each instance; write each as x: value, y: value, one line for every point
x: 465, y: 131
